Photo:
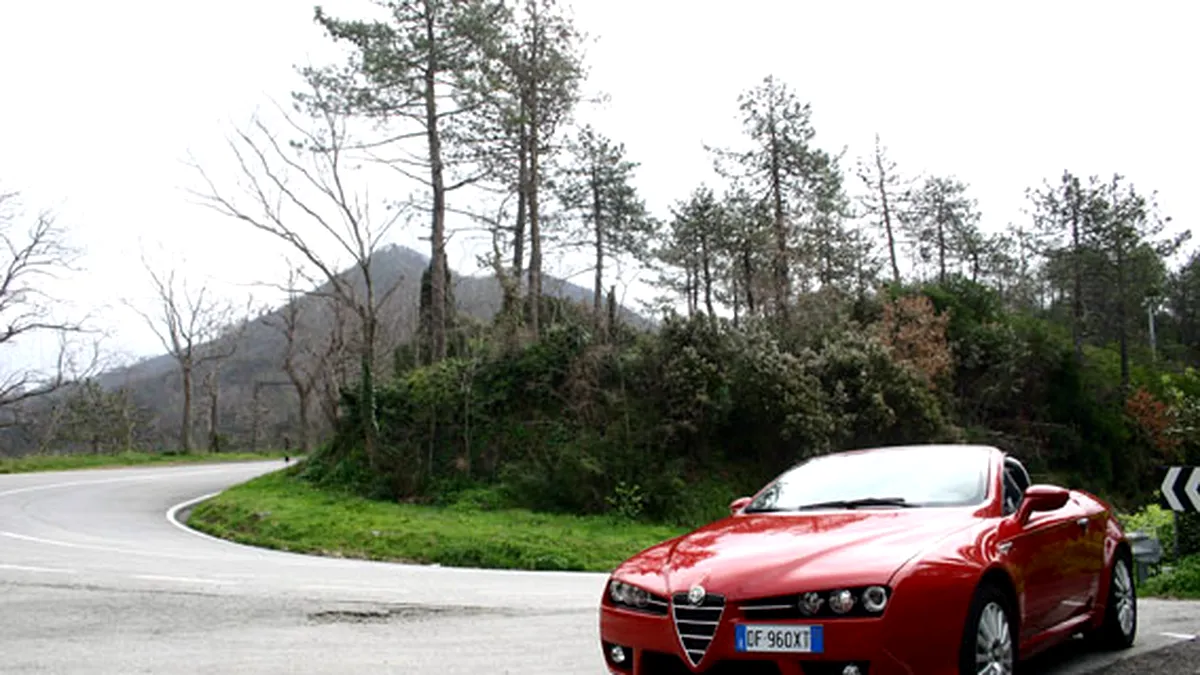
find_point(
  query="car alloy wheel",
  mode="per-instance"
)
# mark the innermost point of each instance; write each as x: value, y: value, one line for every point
x: 993, y: 642
x: 1123, y: 597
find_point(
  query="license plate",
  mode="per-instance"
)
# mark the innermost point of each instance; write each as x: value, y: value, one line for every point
x: 757, y: 637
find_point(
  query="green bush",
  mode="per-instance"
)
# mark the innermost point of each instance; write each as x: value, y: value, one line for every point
x: 1156, y: 522
x: 645, y: 426
x: 1182, y: 581
x: 653, y: 426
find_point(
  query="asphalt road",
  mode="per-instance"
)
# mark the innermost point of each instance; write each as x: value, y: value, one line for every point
x: 95, y: 577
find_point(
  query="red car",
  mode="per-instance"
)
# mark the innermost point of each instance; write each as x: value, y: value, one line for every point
x: 921, y: 560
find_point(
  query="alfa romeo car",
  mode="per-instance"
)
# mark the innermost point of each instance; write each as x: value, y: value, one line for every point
x: 917, y: 560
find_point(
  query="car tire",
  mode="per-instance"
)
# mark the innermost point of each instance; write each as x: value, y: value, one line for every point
x: 990, y: 633
x: 1119, y: 628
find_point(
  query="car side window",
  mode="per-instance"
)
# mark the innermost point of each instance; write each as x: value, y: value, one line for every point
x: 1016, y: 480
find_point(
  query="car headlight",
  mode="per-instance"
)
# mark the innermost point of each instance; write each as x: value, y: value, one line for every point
x: 633, y: 597
x: 849, y: 602
x: 810, y: 603
x: 841, y: 601
x: 874, y: 599
x: 860, y: 601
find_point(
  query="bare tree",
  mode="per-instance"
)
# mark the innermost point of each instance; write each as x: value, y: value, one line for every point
x: 884, y: 197
x: 29, y: 258
x: 299, y: 192
x: 194, y: 329
x: 306, y: 355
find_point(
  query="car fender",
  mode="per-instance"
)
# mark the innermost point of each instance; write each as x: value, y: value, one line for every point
x: 931, y: 598
x: 1114, y: 540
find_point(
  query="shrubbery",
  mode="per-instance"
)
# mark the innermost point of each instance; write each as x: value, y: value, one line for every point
x: 671, y: 425
x: 666, y: 426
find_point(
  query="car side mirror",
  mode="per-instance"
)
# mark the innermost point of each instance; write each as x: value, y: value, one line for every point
x: 1041, y: 498
x: 736, y: 506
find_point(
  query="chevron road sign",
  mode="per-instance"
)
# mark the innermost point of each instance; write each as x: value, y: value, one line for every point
x: 1181, y: 489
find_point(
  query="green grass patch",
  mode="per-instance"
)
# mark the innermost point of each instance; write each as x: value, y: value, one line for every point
x: 69, y: 462
x: 283, y: 512
x: 1182, y: 581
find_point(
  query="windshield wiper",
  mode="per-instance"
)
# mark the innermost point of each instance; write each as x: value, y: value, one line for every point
x: 856, y: 503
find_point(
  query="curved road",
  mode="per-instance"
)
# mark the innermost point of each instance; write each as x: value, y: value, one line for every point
x: 96, y: 577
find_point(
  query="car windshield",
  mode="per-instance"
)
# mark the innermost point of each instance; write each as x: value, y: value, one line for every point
x: 888, y: 478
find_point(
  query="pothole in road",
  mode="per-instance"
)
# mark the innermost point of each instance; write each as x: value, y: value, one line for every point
x: 395, y: 613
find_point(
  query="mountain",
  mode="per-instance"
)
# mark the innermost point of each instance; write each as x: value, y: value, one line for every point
x: 256, y: 405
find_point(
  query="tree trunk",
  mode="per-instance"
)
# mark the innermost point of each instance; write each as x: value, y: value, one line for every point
x: 612, y: 307
x: 1122, y: 312
x: 535, y: 229
x: 304, y: 393
x: 522, y: 210
x: 737, y: 302
x: 1076, y: 274
x: 599, y: 230
x: 707, y: 270
x: 438, y: 236
x: 748, y: 271
x: 185, y: 432
x: 255, y: 416
x: 887, y: 214
x: 214, y: 393
x: 782, y: 276
x: 369, y: 419
x: 941, y: 240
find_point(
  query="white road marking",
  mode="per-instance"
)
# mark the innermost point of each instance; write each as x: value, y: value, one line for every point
x: 1178, y: 636
x: 30, y: 568
x: 93, y: 547
x: 190, y: 580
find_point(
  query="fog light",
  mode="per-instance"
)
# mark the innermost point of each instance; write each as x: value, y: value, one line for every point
x: 851, y: 670
x: 617, y: 654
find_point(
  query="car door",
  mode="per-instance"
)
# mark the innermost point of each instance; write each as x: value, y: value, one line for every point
x: 1034, y: 555
x: 1092, y: 520
x: 1047, y: 556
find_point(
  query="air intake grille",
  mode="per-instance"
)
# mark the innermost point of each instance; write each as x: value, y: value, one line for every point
x: 696, y: 626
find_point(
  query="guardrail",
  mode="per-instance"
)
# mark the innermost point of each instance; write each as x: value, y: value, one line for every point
x: 1147, y: 552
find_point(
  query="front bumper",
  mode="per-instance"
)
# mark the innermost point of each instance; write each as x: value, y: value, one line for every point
x: 654, y: 648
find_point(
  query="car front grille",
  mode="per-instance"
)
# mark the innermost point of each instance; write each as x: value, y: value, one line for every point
x: 696, y: 625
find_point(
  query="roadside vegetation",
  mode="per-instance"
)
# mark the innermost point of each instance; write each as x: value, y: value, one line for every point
x: 1172, y: 577
x: 30, y: 463
x: 1182, y: 581
x: 282, y: 511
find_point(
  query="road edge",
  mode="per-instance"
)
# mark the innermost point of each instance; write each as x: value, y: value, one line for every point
x: 185, y: 507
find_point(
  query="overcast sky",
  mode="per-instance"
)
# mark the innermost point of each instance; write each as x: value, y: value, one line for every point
x: 102, y: 102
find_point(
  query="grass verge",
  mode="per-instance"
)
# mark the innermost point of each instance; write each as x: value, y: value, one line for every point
x: 1182, y: 582
x: 283, y: 512
x: 68, y: 462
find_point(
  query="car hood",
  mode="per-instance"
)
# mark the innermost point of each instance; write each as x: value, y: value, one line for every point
x: 759, y: 555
